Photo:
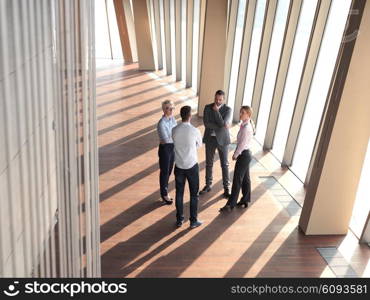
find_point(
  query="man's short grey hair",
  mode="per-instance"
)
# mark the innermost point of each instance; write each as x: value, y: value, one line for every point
x: 166, y: 102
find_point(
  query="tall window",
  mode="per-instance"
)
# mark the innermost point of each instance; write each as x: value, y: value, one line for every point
x: 294, y: 75
x: 272, y: 67
x: 173, y: 36
x: 107, y: 39
x: 319, y: 87
x: 362, y: 205
x: 236, y: 53
x: 196, y: 24
x: 254, y: 51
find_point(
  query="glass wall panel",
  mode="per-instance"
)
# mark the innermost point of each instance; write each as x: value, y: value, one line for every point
x: 320, y: 85
x: 254, y: 51
x: 173, y: 37
x: 196, y: 23
x: 362, y: 204
x: 236, y: 53
x: 108, y: 44
x: 294, y: 75
x: 272, y: 67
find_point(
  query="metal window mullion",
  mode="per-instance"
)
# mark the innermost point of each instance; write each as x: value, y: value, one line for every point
x: 38, y: 263
x: 157, y: 25
x: 29, y: 121
x: 189, y: 40
x: 167, y: 36
x: 92, y: 233
x: 64, y: 138
x: 268, y: 26
x: 72, y: 122
x: 19, y: 96
x: 78, y: 109
x: 8, y: 133
x: 321, y: 17
x: 109, y: 32
x: 68, y: 138
x: 153, y: 31
x: 94, y: 150
x: 202, y: 13
x: 230, y: 42
x: 86, y: 138
x: 244, y: 60
x: 287, y: 49
x: 178, y: 46
x: 42, y: 115
x: 162, y: 31
x: 47, y: 74
x: 36, y: 116
x: 59, y: 78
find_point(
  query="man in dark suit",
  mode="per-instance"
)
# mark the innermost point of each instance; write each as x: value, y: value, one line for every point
x: 217, y: 121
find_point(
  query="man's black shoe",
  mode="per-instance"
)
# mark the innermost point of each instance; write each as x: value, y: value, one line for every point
x: 226, y: 194
x: 168, y: 202
x: 206, y: 189
x: 179, y: 223
x: 195, y: 224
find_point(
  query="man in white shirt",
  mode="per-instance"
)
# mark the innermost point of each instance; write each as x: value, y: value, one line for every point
x: 186, y: 139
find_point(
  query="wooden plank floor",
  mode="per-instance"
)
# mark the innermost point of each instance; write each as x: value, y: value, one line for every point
x: 138, y: 234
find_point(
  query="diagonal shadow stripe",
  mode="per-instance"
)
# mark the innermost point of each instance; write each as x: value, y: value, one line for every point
x: 123, y: 123
x: 182, y: 257
x: 129, y: 96
x: 122, y: 88
x: 128, y: 250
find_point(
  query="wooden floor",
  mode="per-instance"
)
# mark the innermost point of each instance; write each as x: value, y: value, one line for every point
x: 138, y: 234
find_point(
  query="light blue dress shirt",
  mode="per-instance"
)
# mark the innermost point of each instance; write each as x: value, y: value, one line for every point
x: 164, y: 129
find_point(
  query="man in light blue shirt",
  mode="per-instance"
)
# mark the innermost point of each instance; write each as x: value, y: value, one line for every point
x: 165, y: 150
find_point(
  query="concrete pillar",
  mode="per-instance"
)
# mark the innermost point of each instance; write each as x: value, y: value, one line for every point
x: 123, y: 31
x: 214, y: 50
x: 345, y: 134
x: 130, y: 28
x: 143, y: 38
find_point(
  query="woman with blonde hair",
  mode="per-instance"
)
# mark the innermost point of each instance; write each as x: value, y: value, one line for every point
x: 166, y: 148
x: 243, y: 157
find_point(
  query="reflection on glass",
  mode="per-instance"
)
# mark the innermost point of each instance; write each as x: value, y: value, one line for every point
x: 195, y: 44
x: 320, y: 85
x: 183, y: 39
x: 272, y: 67
x: 114, y: 33
x: 163, y: 45
x: 102, y: 45
x: 173, y: 37
x: 294, y: 75
x: 236, y: 53
x: 254, y: 51
x: 362, y: 205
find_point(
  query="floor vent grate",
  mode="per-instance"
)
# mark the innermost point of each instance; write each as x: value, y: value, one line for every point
x: 336, y: 262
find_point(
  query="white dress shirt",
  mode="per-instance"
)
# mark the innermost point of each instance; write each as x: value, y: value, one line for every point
x: 164, y: 129
x: 244, y: 138
x: 186, y: 139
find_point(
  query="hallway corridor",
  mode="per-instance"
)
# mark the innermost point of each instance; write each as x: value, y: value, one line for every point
x: 138, y: 233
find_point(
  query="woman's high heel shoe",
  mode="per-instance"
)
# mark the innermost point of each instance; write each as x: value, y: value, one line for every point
x: 242, y: 204
x: 226, y: 208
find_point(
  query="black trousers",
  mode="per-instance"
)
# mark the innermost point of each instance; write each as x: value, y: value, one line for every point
x: 192, y: 175
x: 166, y: 160
x: 211, y: 147
x: 241, y: 179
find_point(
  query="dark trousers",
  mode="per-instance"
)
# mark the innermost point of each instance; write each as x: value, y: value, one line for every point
x: 241, y: 179
x: 211, y: 147
x: 166, y: 159
x: 192, y: 175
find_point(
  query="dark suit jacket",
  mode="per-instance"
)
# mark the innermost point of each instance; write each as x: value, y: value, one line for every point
x: 216, y: 120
